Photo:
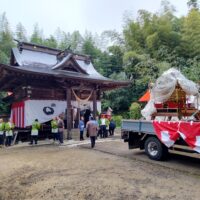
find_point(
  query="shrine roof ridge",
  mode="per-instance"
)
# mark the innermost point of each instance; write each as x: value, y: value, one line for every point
x: 34, y: 46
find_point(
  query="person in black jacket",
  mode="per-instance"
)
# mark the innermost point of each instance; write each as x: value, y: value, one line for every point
x: 112, y: 127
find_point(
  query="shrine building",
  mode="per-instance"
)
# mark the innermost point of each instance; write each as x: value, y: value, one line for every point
x: 44, y: 82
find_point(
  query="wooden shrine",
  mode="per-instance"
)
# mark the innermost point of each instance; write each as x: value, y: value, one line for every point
x: 39, y: 72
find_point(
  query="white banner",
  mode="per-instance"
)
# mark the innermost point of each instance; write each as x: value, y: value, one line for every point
x: 43, y: 110
x: 46, y: 110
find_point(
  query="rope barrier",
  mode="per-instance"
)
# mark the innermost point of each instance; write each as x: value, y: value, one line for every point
x: 82, y: 100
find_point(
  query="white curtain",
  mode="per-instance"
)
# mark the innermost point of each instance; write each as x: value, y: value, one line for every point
x: 43, y: 110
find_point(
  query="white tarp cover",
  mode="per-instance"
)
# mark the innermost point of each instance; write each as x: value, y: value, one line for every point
x: 164, y: 87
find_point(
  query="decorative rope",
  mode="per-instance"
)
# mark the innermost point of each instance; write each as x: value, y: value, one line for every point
x: 82, y: 100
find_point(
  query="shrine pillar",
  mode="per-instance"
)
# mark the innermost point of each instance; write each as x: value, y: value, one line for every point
x: 94, y: 97
x: 78, y: 115
x: 69, y: 113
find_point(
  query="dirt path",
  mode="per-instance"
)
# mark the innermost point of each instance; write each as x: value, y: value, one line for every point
x: 175, y: 162
x: 51, y: 172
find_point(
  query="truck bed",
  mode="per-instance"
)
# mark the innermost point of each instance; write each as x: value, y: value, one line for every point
x: 139, y: 126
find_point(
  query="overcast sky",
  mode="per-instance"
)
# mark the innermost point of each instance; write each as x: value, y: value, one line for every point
x: 69, y: 15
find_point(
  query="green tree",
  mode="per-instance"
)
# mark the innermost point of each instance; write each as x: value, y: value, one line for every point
x: 193, y: 4
x: 50, y: 42
x: 20, y: 32
x: 65, y: 42
x: 116, y: 59
x: 76, y: 41
x: 135, y: 111
x: 191, y: 34
x: 37, y: 35
x: 89, y: 47
x: 6, y: 39
x: 4, y: 59
x: 4, y: 107
x: 119, y: 100
x: 141, y: 70
x: 192, y: 69
x: 133, y: 36
x: 102, y: 63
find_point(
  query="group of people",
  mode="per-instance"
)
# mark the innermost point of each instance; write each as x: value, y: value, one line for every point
x: 96, y: 127
x: 6, y: 132
x: 57, y: 128
x: 104, y: 123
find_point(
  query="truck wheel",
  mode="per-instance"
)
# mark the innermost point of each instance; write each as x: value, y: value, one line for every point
x: 155, y: 149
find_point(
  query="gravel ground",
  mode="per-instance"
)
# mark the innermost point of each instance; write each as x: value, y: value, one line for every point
x: 52, y: 172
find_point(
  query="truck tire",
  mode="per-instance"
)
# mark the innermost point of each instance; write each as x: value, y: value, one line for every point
x: 155, y: 149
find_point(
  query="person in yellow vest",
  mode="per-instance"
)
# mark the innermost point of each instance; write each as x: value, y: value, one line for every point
x: 9, y: 126
x: 34, y: 131
x: 54, y: 128
x: 2, y: 129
